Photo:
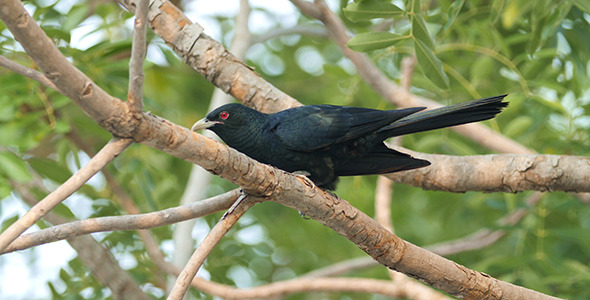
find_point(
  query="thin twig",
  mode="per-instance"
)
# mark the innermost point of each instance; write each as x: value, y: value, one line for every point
x: 221, y: 228
x: 129, y: 222
x: 484, y: 237
x: 383, y: 193
x: 138, y: 49
x: 106, y: 155
x: 314, y: 30
x: 408, y: 66
x: 27, y: 72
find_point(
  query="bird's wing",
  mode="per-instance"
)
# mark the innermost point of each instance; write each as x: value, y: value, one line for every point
x: 380, y: 160
x: 313, y: 127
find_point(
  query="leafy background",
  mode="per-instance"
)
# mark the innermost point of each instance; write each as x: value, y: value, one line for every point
x: 535, y: 51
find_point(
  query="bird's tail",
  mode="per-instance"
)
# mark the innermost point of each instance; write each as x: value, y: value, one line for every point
x: 456, y: 114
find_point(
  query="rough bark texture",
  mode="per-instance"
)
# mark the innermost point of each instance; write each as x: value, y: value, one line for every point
x: 499, y: 173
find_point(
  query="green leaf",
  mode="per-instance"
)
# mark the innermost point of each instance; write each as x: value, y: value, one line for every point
x: 13, y: 167
x: 431, y: 66
x: 428, y: 143
x: 368, y: 10
x: 50, y: 169
x: 374, y: 40
x: 518, y: 125
x: 482, y: 69
x: 64, y: 211
x: 583, y: 5
x: 544, y: 19
x: 453, y: 13
x: 416, y: 7
x: 510, y: 15
x: 75, y: 16
x: 420, y: 31
x: 460, y: 147
x: 58, y: 33
x: 62, y: 127
x: 7, y: 222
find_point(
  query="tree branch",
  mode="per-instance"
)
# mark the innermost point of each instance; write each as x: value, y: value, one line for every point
x: 138, y: 50
x: 299, y: 29
x: 129, y: 222
x: 483, y: 237
x: 499, y: 173
x: 27, y: 72
x: 211, y: 240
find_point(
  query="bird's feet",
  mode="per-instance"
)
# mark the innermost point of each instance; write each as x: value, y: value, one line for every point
x: 241, y: 198
x: 302, y: 173
x: 304, y: 216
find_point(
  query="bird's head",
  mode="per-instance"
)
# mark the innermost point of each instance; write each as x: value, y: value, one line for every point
x: 229, y: 117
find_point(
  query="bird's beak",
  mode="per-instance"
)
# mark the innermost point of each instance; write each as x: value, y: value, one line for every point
x: 203, y: 124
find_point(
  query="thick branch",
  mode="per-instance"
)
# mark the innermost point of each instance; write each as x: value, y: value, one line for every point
x: 499, y: 173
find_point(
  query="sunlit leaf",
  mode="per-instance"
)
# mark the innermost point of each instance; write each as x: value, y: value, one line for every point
x: 420, y: 31
x: 374, y: 40
x: 453, y: 13
x: 367, y: 10
x: 75, y: 16
x: 583, y: 5
x: 510, y: 14
x: 13, y: 167
x: 431, y: 66
x: 518, y: 125
x: 7, y: 222
x: 50, y: 169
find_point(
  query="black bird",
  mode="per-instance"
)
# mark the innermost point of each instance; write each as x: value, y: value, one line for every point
x: 327, y: 141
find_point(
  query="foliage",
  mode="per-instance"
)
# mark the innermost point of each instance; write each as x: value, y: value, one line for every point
x: 536, y: 51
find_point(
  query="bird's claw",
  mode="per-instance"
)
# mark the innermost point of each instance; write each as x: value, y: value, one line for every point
x: 304, y: 216
x: 241, y: 198
x: 302, y: 173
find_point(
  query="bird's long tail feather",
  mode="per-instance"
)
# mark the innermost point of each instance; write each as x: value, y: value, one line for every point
x: 457, y: 114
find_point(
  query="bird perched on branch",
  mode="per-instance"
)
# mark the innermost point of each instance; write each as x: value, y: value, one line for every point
x: 327, y: 141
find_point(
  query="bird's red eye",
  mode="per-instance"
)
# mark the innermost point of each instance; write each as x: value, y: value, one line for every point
x: 224, y: 115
